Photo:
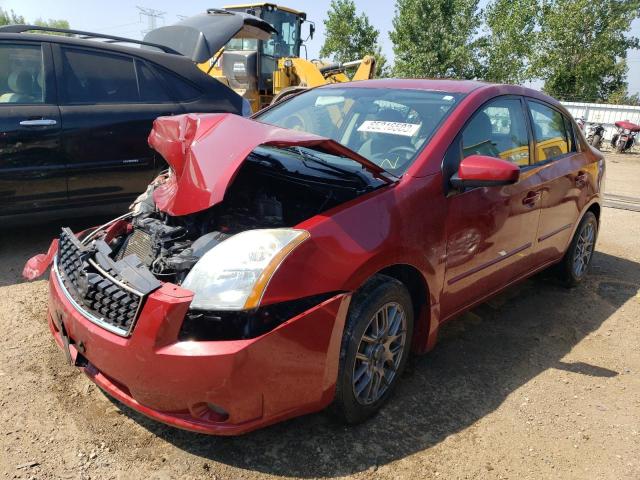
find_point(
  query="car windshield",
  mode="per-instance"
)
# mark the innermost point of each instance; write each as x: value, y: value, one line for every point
x: 386, y: 126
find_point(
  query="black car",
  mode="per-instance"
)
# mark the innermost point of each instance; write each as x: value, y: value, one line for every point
x: 75, y: 113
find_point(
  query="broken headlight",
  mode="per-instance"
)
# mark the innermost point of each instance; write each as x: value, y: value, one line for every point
x: 234, y: 274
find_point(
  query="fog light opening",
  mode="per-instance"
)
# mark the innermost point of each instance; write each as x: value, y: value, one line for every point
x: 217, y: 413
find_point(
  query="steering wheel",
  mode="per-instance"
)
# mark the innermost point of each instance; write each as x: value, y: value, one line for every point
x: 392, y: 158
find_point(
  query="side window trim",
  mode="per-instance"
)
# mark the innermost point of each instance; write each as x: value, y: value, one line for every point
x: 529, y: 100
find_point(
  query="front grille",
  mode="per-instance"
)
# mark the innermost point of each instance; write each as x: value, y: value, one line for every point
x: 99, y: 294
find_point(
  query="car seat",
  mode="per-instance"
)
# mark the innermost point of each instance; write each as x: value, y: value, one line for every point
x: 477, y: 137
x: 20, y: 83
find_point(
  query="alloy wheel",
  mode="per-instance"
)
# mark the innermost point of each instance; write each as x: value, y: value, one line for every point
x: 584, y: 249
x: 379, y: 354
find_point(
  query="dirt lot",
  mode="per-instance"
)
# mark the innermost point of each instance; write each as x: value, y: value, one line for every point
x: 542, y: 382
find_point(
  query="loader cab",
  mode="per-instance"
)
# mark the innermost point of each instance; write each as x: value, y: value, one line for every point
x: 248, y: 63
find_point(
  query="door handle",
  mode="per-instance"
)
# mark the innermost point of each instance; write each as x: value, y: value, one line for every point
x: 41, y: 122
x: 581, y: 179
x: 531, y: 199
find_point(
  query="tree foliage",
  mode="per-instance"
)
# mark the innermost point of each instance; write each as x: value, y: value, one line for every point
x: 10, y: 17
x: 350, y: 36
x: 582, y: 47
x: 436, y: 38
x: 510, y: 41
x: 577, y: 47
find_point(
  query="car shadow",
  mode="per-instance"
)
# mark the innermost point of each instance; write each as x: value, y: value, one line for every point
x: 482, y: 357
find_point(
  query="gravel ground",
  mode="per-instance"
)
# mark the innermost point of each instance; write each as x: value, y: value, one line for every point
x: 540, y: 382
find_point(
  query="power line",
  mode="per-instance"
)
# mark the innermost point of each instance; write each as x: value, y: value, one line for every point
x: 152, y: 18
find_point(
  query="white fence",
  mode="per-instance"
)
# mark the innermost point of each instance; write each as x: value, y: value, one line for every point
x: 603, y: 113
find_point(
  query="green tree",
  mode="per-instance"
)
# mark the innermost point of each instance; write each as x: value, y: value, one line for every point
x: 436, y: 38
x: 52, y: 23
x: 582, y: 47
x: 510, y: 42
x: 350, y: 36
x: 10, y: 17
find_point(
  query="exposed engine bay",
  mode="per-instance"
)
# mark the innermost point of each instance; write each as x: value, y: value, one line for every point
x: 111, y: 271
x: 274, y: 188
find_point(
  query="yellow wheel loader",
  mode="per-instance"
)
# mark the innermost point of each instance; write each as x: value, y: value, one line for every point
x: 267, y: 69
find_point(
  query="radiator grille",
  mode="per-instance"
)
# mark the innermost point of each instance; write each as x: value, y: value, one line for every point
x: 139, y: 243
x: 101, y: 296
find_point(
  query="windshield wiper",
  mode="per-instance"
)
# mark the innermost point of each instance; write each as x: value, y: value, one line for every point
x: 307, y: 155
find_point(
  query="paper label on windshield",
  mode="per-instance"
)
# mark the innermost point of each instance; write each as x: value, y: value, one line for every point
x: 393, y: 128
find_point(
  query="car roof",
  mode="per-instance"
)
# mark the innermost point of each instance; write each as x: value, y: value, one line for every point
x: 149, y: 53
x: 446, y: 85
x: 452, y: 86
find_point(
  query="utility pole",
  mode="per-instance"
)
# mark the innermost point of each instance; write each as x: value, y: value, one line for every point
x: 152, y: 18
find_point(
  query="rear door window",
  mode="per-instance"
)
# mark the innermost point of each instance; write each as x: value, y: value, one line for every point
x: 498, y: 130
x: 97, y: 77
x: 550, y: 132
x: 22, y: 78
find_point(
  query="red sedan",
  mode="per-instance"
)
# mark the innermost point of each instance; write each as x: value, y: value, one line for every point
x: 293, y: 261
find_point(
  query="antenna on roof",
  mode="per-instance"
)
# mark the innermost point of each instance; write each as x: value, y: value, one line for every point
x: 152, y: 18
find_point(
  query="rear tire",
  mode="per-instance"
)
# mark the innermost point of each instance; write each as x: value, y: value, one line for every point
x: 577, y: 259
x: 374, y: 351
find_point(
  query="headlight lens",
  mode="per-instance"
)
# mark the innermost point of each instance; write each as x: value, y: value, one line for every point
x: 234, y: 274
x: 627, y: 131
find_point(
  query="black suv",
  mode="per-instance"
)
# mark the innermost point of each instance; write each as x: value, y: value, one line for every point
x: 75, y: 113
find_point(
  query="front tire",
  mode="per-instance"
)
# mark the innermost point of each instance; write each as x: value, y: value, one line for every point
x: 596, y: 141
x: 577, y: 259
x: 375, y: 348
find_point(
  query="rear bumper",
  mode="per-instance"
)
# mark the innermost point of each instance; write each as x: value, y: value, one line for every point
x: 287, y: 372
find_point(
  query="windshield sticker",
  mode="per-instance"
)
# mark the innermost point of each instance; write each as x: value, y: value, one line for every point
x: 393, y: 128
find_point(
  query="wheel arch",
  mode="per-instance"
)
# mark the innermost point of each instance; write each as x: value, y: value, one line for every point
x: 595, y: 208
x: 412, y: 278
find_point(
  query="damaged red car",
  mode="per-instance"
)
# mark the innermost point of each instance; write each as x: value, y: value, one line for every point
x: 293, y: 261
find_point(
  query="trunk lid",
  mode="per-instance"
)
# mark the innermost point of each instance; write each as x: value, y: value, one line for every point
x: 200, y: 37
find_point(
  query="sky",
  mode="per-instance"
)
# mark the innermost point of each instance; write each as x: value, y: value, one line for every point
x: 120, y: 17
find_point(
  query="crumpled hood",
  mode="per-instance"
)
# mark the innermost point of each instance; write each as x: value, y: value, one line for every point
x: 205, y: 151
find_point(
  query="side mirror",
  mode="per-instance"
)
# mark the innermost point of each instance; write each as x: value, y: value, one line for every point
x: 312, y: 30
x: 484, y: 171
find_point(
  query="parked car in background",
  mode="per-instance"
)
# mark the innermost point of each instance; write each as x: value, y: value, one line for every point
x: 75, y: 114
x: 625, y: 137
x: 293, y: 261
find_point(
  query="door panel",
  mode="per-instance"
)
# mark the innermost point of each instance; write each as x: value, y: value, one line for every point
x: 32, y: 170
x: 491, y: 230
x: 109, y: 102
x: 107, y: 151
x: 566, y: 179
